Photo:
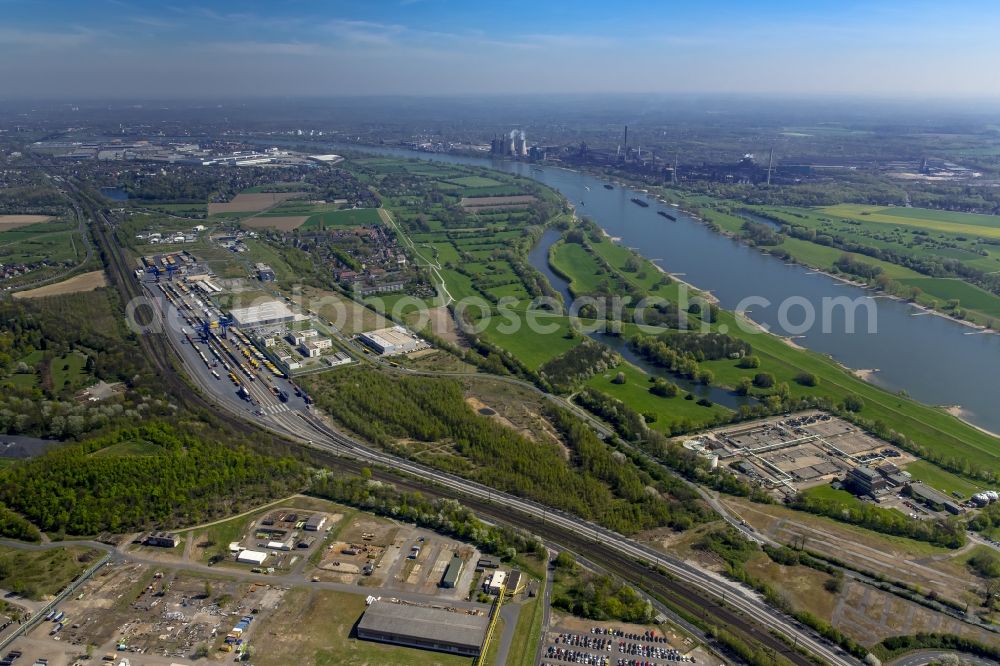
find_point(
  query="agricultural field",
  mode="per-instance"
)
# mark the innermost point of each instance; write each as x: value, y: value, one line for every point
x: 923, y: 218
x: 77, y: 283
x: 908, y: 232
x: 49, y: 247
x: 10, y: 222
x: 350, y: 217
x: 249, y: 202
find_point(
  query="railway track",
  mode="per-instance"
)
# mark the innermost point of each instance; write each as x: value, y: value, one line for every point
x: 697, y: 594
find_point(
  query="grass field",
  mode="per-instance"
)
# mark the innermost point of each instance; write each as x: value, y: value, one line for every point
x: 475, y: 181
x: 351, y: 217
x: 318, y: 628
x: 68, y: 371
x: 969, y: 296
x: 944, y: 481
x: 282, y: 222
x: 533, y: 349
x: 572, y: 260
x: 55, y: 241
x: 668, y: 411
x: 180, y: 209
x: 923, y: 218
x: 130, y: 448
x: 37, y: 574
x: 800, y: 585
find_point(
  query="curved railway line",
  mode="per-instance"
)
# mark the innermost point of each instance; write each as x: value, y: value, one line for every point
x: 700, y: 595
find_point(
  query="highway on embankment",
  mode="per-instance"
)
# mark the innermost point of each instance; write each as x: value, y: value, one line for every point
x: 700, y: 594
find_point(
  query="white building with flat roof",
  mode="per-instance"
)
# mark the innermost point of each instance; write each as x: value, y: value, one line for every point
x: 251, y: 557
x: 394, y: 340
x: 263, y: 314
x: 495, y: 582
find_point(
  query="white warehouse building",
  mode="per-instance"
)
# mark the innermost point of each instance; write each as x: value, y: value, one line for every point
x: 251, y: 557
x: 394, y: 340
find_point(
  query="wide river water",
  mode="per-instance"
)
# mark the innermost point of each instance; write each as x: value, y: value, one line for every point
x: 933, y: 359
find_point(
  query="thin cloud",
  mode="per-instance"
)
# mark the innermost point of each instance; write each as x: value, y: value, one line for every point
x: 46, y: 40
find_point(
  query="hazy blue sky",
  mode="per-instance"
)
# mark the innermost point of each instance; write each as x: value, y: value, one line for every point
x: 126, y: 48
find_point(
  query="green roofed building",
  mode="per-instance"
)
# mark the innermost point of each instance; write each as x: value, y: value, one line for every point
x: 454, y: 570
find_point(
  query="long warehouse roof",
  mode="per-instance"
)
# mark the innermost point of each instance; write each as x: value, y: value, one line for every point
x: 433, y: 624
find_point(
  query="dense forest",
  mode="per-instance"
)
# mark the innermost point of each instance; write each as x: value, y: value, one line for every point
x: 152, y: 476
x: 593, y: 483
x: 13, y: 526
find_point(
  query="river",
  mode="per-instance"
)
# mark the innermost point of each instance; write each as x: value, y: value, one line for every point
x: 933, y: 359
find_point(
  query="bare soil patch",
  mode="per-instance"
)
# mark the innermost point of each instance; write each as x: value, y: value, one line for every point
x: 252, y: 202
x: 349, y: 316
x: 8, y: 222
x: 283, y: 223
x: 443, y: 326
x: 482, y: 409
x: 77, y: 283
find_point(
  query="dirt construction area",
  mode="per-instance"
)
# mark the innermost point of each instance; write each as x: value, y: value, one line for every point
x: 151, y: 616
x: 77, y: 283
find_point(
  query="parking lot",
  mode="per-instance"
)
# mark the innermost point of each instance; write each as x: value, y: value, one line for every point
x: 571, y: 640
x: 612, y: 647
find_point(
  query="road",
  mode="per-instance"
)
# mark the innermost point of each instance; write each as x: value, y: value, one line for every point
x: 922, y: 657
x: 308, y: 427
x: 740, y: 608
x: 546, y: 592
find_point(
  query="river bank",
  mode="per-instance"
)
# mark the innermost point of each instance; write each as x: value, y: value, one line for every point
x: 953, y: 368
